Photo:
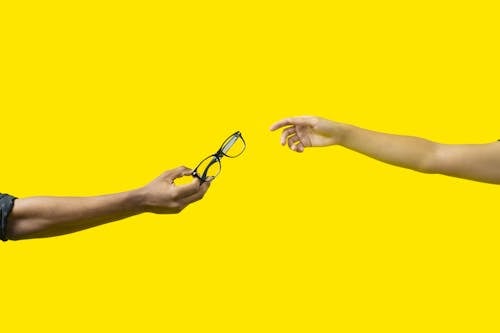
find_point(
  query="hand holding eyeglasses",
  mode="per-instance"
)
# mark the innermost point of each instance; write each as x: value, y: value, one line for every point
x: 162, y: 196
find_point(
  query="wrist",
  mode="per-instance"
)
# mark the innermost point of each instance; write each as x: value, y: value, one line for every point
x: 138, y: 200
x: 345, y: 131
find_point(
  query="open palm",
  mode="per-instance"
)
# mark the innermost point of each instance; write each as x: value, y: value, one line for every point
x: 307, y: 131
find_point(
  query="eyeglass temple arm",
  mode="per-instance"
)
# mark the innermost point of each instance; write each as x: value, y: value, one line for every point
x: 230, y: 143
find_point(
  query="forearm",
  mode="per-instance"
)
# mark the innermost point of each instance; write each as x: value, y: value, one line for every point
x: 51, y: 216
x: 404, y: 151
x: 480, y: 162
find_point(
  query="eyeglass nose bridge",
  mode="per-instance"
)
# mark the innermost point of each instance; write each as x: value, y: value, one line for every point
x: 219, y: 155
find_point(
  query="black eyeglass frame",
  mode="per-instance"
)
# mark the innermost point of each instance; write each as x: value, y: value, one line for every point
x: 216, y: 158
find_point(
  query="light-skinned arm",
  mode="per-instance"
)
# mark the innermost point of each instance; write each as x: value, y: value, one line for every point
x: 479, y: 162
x: 51, y: 216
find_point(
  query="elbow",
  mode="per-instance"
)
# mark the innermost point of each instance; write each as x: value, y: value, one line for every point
x: 13, y: 235
x: 430, y: 162
x: 14, y: 231
x: 428, y: 166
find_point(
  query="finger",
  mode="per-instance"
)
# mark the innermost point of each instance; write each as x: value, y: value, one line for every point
x: 292, y: 141
x: 202, y: 189
x: 177, y: 172
x: 299, y: 147
x: 187, y: 172
x: 189, y: 189
x: 281, y: 123
x: 303, y: 120
x: 286, y: 133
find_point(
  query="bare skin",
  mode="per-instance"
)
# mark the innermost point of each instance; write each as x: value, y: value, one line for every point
x: 479, y: 162
x: 37, y: 217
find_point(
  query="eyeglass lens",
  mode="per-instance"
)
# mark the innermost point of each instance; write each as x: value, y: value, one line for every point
x: 209, y: 167
x: 233, y: 146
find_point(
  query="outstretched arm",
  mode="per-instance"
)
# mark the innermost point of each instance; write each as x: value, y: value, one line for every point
x: 51, y: 216
x: 480, y: 162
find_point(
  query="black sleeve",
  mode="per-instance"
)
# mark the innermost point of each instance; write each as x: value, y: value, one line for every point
x: 6, y: 204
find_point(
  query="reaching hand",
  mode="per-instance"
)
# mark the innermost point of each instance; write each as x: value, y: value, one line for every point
x: 309, y: 131
x: 162, y: 196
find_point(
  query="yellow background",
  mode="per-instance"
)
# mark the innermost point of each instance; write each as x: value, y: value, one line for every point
x: 99, y: 97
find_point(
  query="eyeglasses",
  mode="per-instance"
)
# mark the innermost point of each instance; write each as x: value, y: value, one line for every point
x: 211, y: 166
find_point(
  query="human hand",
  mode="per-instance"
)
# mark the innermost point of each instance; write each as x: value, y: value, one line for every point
x: 309, y: 131
x: 162, y: 196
